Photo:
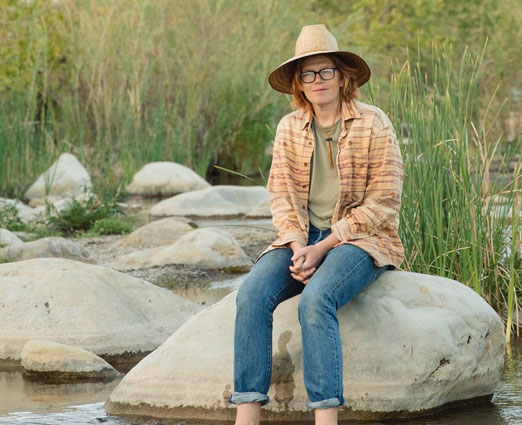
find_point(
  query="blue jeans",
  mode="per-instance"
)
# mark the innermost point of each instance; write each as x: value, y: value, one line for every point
x: 342, y: 274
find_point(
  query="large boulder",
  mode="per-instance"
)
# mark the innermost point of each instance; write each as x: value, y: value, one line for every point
x: 49, y: 360
x: 206, y: 248
x: 51, y: 247
x: 8, y: 238
x: 65, y: 178
x: 113, y: 315
x: 214, y: 202
x: 156, y: 233
x: 165, y: 179
x: 412, y: 343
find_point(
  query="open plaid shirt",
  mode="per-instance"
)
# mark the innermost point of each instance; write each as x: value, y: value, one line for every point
x: 370, y: 172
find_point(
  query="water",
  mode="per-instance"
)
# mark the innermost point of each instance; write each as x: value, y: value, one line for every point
x: 211, y: 294
x: 32, y: 403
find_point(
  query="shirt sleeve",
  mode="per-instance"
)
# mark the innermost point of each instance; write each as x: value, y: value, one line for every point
x: 284, y: 215
x: 382, y: 199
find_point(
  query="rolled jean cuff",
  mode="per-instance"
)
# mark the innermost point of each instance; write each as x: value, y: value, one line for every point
x: 324, y: 404
x: 251, y: 397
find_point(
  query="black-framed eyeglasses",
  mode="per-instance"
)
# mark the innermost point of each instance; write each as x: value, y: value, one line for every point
x: 325, y: 74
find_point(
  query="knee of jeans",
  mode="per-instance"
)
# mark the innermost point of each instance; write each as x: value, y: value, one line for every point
x: 248, y: 298
x: 243, y: 297
x: 313, y: 306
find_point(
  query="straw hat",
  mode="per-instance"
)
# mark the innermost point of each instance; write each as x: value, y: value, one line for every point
x: 315, y: 40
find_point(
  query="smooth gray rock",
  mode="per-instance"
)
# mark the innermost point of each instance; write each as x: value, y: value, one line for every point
x: 51, y: 247
x: 165, y: 179
x: 111, y: 314
x: 65, y: 178
x: 24, y: 212
x: 45, y: 360
x: 156, y: 233
x: 213, y: 202
x: 8, y: 238
x: 412, y: 343
x: 206, y: 248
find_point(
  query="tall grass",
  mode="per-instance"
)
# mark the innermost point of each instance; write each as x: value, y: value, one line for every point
x: 455, y: 221
x: 124, y: 83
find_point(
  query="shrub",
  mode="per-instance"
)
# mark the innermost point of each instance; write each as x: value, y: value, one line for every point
x: 9, y: 218
x: 112, y: 226
x: 81, y: 216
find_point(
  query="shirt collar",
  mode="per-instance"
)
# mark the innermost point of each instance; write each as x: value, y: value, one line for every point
x: 348, y: 111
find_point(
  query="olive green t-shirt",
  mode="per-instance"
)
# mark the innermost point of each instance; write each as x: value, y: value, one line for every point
x: 324, y: 181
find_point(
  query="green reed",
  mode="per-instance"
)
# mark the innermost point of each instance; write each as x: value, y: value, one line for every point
x: 456, y: 221
x: 121, y: 84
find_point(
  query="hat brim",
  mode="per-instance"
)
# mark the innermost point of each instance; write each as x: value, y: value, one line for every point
x: 280, y: 79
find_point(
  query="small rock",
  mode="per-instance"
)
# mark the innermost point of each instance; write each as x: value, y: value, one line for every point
x: 260, y: 211
x: 165, y: 179
x: 65, y: 178
x: 156, y: 233
x: 214, y: 202
x: 47, y: 248
x: 206, y: 248
x: 49, y: 360
x: 7, y: 238
x: 24, y: 212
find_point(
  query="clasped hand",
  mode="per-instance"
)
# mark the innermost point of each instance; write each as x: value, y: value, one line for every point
x: 306, y: 259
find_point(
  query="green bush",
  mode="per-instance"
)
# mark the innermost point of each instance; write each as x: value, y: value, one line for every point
x: 80, y: 216
x: 9, y: 218
x: 112, y: 226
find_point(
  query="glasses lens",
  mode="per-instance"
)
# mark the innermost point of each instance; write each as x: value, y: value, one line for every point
x: 327, y: 73
x: 307, y: 77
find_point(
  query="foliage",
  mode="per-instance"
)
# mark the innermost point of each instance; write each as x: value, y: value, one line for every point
x: 81, y: 215
x: 456, y: 221
x: 10, y: 219
x: 121, y: 84
x: 111, y: 226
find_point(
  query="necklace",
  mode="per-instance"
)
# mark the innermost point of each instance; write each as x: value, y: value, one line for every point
x: 328, y: 139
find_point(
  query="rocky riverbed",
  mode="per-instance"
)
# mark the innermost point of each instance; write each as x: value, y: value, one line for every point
x: 252, y: 235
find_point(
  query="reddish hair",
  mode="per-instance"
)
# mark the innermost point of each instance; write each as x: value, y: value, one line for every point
x: 349, y: 90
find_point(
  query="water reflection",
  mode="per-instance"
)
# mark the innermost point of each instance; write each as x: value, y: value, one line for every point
x: 18, y: 394
x: 210, y: 294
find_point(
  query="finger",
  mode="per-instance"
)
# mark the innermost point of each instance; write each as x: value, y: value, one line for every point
x: 306, y: 265
x: 295, y: 269
x: 297, y: 277
x: 299, y: 262
x: 309, y: 272
x: 296, y: 255
x: 303, y: 275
